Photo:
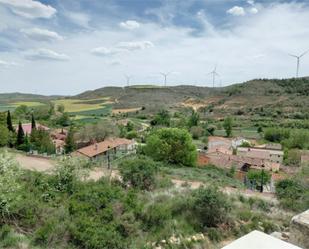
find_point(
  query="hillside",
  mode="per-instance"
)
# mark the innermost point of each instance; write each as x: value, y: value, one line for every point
x: 263, y: 96
x: 288, y: 94
x: 16, y: 97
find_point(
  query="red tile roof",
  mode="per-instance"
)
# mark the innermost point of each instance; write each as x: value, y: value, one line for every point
x: 99, y: 148
x: 27, y: 128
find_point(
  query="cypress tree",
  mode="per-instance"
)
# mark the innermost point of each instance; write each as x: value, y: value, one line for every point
x: 9, y: 122
x: 20, y: 135
x: 69, y: 142
x: 33, y: 125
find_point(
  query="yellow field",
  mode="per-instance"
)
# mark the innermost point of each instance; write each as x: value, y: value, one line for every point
x: 78, y: 105
x: 27, y: 103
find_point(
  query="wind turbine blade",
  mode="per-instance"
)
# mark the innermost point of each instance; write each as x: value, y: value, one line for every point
x: 293, y: 55
x: 304, y: 53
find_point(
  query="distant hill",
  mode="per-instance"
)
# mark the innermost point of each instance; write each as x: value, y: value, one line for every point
x: 261, y: 95
x: 287, y: 94
x: 16, y: 97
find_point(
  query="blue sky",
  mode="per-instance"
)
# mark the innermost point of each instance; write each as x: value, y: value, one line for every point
x: 68, y: 46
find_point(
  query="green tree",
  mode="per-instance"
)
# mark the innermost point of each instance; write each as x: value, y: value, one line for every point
x: 70, y: 141
x: 163, y: 117
x: 139, y: 172
x: 228, y: 125
x: 33, y: 125
x: 259, y: 177
x: 9, y: 122
x: 63, y: 119
x: 171, y: 145
x: 4, y: 135
x: 20, y: 135
x: 42, y: 142
x: 193, y: 119
x: 210, y: 207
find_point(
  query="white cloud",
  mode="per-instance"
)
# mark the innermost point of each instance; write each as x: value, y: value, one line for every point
x: 131, y: 46
x: 236, y: 11
x: 251, y: 2
x: 42, y: 34
x: 45, y: 54
x: 7, y: 63
x: 29, y: 8
x: 130, y: 24
x: 103, y: 51
x: 122, y: 47
x: 253, y: 10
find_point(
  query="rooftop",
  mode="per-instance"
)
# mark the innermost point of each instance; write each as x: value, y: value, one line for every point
x: 259, y: 240
x: 99, y: 148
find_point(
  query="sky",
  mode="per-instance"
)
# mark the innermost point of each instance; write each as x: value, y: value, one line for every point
x: 69, y: 46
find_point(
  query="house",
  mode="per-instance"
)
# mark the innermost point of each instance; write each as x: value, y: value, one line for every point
x: 259, y: 240
x: 271, y: 155
x: 27, y: 128
x: 224, y: 145
x: 221, y: 144
x: 112, y: 147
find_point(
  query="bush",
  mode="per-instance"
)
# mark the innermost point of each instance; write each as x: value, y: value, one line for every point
x: 139, y: 172
x: 210, y: 206
x: 293, y: 194
x: 196, y: 132
x: 156, y: 215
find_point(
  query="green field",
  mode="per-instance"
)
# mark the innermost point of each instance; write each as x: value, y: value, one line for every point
x: 247, y: 133
x: 12, y: 106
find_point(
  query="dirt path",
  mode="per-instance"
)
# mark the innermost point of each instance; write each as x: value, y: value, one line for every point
x: 35, y: 163
x: 227, y: 190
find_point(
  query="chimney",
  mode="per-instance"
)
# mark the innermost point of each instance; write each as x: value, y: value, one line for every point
x: 96, y: 146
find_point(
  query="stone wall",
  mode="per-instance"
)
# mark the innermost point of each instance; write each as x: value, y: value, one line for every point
x: 299, y: 230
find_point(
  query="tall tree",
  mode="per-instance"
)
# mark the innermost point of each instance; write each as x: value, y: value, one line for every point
x: 228, y: 125
x: 20, y: 135
x: 9, y: 122
x: 33, y: 124
x: 69, y: 141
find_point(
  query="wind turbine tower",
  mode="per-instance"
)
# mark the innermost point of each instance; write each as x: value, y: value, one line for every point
x: 298, y: 57
x: 214, y: 75
x: 165, y: 76
x: 128, y: 78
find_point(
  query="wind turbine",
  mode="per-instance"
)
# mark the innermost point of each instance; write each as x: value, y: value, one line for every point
x: 298, y: 61
x: 128, y: 78
x: 165, y: 76
x: 214, y: 74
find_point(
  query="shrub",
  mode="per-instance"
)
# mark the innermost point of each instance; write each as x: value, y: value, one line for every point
x: 196, y: 132
x: 210, y: 206
x: 214, y: 234
x: 139, y: 172
x: 293, y: 194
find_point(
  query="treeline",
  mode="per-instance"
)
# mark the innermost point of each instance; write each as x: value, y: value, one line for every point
x: 11, y: 137
x: 289, y: 138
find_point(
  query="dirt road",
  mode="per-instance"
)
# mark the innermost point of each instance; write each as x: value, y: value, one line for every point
x: 35, y: 163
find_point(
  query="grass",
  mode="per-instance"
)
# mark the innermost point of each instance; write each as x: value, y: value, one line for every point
x: 209, y: 175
